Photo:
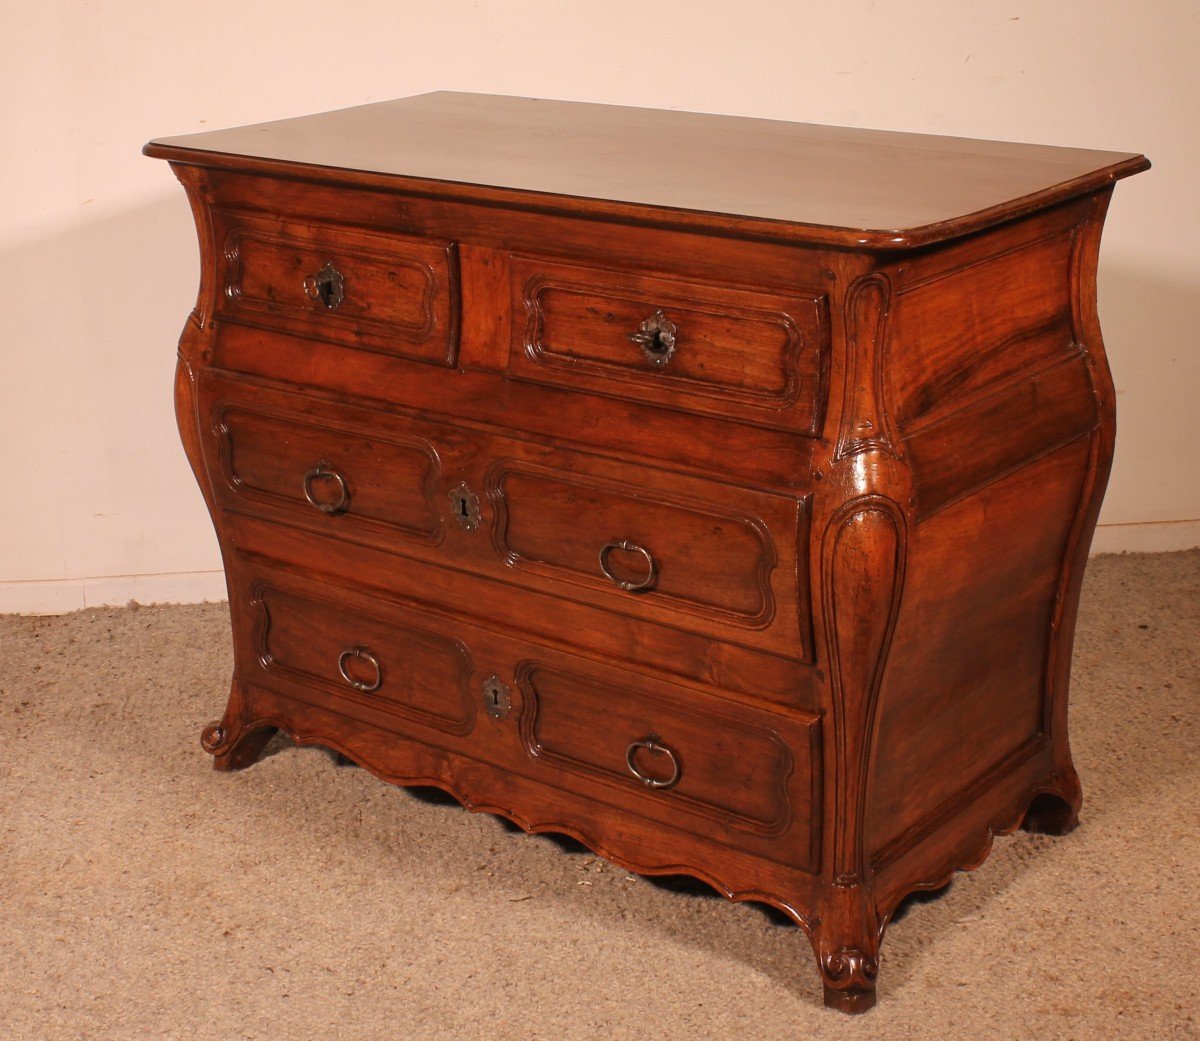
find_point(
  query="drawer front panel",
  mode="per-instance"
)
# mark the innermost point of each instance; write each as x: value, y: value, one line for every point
x: 717, y: 560
x: 320, y: 472
x: 744, y: 774
x: 358, y: 658
x: 689, y: 554
x: 752, y: 355
x: 571, y: 625
x: 681, y: 757
x: 385, y: 293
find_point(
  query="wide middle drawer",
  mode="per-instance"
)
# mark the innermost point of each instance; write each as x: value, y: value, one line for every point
x: 713, y: 558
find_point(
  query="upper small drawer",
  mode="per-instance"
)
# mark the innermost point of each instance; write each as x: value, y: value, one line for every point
x: 752, y: 355
x: 385, y: 293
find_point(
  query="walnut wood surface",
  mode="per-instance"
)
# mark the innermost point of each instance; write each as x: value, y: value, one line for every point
x: 829, y: 184
x: 855, y: 514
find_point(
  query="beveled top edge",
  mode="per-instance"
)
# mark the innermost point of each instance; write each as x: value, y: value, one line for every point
x: 733, y: 175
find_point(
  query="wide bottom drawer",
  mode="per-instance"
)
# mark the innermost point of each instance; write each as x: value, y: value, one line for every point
x: 691, y: 759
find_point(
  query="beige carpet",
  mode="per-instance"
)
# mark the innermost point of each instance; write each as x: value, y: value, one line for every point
x: 144, y: 896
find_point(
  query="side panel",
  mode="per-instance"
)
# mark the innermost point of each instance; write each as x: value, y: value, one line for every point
x: 963, y: 692
x: 1005, y: 420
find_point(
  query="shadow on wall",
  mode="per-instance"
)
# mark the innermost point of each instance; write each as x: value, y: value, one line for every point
x: 93, y: 315
x: 1150, y: 332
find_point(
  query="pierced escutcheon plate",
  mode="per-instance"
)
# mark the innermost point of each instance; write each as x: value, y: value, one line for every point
x: 465, y: 506
x: 327, y: 287
x: 656, y: 337
x: 496, y: 697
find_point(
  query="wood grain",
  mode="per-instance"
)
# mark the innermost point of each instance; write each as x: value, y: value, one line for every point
x: 817, y: 183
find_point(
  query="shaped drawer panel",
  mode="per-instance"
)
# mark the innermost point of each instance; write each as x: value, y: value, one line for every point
x: 748, y: 354
x: 327, y: 475
x: 363, y: 658
x: 696, y: 554
x: 384, y: 293
x: 748, y: 775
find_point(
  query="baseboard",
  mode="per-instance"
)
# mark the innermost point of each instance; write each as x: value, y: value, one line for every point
x: 58, y: 596
x: 1149, y: 537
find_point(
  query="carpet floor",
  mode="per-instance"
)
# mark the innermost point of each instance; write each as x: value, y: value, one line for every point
x: 143, y: 896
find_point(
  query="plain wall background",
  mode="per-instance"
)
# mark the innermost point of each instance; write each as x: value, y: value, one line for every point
x: 99, y: 261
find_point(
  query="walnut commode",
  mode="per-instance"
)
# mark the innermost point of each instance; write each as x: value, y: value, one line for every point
x: 716, y: 491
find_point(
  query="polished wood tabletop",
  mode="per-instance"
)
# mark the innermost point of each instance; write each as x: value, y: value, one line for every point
x: 853, y: 187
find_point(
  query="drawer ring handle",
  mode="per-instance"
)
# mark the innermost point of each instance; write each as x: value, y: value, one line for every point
x: 654, y: 746
x: 326, y: 472
x: 327, y: 286
x: 656, y: 337
x: 629, y: 547
x: 362, y: 654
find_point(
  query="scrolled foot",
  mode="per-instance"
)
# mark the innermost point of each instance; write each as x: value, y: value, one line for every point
x: 848, y: 976
x: 234, y: 751
x: 1051, y: 814
x: 852, y: 1000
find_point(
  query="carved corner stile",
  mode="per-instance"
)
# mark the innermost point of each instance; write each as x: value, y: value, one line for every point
x: 864, y: 421
x: 232, y: 741
x: 862, y: 578
x: 195, y: 342
x: 860, y: 557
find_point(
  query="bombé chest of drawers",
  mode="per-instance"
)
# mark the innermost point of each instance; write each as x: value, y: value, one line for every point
x: 716, y: 491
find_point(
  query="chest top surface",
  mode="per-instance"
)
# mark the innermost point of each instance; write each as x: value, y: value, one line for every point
x: 835, y: 185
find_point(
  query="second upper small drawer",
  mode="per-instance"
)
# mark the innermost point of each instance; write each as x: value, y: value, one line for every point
x: 386, y: 293
x: 753, y: 355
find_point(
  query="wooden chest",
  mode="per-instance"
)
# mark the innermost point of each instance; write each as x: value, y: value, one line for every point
x: 716, y: 491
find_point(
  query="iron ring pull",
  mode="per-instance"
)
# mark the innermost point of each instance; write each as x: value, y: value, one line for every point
x: 363, y: 655
x: 629, y: 547
x: 324, y: 470
x: 656, y: 747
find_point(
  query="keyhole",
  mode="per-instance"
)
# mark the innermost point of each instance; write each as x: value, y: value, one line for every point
x: 464, y: 506
x: 496, y: 699
x: 656, y: 337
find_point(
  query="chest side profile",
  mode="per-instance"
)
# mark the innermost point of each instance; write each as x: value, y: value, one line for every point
x: 731, y: 522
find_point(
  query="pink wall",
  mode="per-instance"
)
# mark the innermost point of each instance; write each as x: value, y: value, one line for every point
x: 99, y: 259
